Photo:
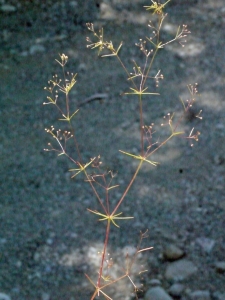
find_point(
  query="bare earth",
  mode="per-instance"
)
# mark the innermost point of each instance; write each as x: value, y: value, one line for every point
x: 48, y: 239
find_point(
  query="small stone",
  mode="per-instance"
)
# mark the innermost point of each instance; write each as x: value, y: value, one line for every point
x: 176, y: 290
x: 218, y: 159
x: 36, y: 48
x: 218, y: 295
x: 45, y: 296
x: 107, y: 12
x: 172, y: 252
x: 205, y: 243
x: 155, y: 282
x: 220, y: 266
x: 73, y: 4
x: 48, y: 269
x: 24, y: 53
x: 170, y: 28
x: 180, y: 270
x: 157, y: 293
x: 190, y: 50
x: 49, y: 241
x: 8, y: 8
x: 3, y: 241
x: 220, y: 125
x: 200, y: 295
x: 4, y: 297
x: 82, y: 67
x: 37, y: 256
x: 18, y: 264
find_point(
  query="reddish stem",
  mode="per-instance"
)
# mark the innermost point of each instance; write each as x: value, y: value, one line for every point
x: 103, y: 254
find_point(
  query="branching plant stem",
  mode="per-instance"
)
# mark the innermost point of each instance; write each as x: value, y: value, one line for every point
x: 98, y: 179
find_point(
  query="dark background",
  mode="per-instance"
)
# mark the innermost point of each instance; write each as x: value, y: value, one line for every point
x: 48, y: 240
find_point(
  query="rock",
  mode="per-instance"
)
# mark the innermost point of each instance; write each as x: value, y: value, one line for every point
x: 180, y: 270
x: 4, y: 297
x: 220, y: 126
x: 176, y: 290
x: 200, y: 295
x: 205, y: 243
x: 45, y: 296
x: 73, y: 4
x: 107, y: 12
x: 155, y: 282
x: 36, y: 48
x: 49, y: 241
x: 172, y: 252
x: 220, y: 266
x: 157, y: 293
x: 190, y: 50
x: 37, y: 256
x: 218, y: 295
x: 8, y: 8
x: 82, y: 67
x: 218, y: 159
x: 3, y: 241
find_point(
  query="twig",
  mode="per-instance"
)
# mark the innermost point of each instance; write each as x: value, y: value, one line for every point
x: 93, y: 98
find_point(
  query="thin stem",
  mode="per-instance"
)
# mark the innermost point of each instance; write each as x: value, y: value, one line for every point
x: 107, y: 200
x: 67, y: 97
x: 156, y: 50
x: 162, y: 144
x: 149, y: 67
x: 106, y: 193
x: 141, y: 125
x: 96, y: 193
x: 128, y: 187
x: 103, y: 254
x: 125, y: 69
x: 75, y: 142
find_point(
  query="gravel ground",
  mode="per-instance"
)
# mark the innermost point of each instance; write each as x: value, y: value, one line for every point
x: 48, y: 239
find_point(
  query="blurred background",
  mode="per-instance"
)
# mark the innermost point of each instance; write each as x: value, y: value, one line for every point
x: 48, y: 239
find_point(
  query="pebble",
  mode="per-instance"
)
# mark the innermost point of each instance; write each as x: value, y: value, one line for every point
x: 220, y: 266
x: 218, y: 295
x: 155, y: 282
x: 49, y: 241
x: 220, y: 126
x: 200, y: 295
x: 172, y: 252
x: 3, y: 241
x: 73, y: 4
x: 206, y: 244
x: 157, y: 293
x: 180, y: 270
x: 8, y: 8
x: 37, y: 256
x: 4, y: 297
x: 82, y: 67
x: 107, y: 12
x: 190, y: 50
x: 45, y: 296
x: 176, y: 290
x: 36, y: 48
x: 218, y: 159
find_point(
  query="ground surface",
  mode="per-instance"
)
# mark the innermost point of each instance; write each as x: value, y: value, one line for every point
x: 47, y: 239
